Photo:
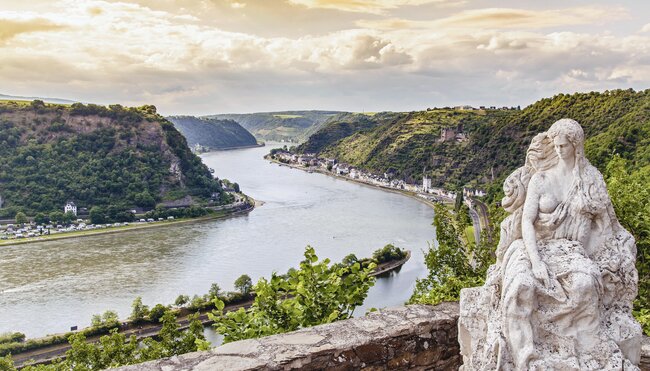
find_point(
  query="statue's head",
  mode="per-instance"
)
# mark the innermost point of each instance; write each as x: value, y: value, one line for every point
x: 568, y: 138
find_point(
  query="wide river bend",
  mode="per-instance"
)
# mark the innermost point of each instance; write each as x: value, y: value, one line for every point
x: 49, y: 286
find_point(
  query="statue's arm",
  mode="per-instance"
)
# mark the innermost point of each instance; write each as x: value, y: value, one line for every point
x: 529, y: 215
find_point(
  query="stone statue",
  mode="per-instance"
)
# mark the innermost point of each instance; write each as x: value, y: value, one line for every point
x: 559, y: 296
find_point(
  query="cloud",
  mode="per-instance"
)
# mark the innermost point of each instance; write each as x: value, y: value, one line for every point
x: 363, y: 6
x: 206, y: 57
x: 10, y: 28
x: 645, y: 28
x: 504, y: 18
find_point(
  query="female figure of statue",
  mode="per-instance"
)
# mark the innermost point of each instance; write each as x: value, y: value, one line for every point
x: 564, y: 279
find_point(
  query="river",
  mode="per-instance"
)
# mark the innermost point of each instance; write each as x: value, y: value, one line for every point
x: 48, y: 287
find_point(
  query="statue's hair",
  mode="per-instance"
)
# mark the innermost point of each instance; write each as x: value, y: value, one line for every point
x: 571, y: 129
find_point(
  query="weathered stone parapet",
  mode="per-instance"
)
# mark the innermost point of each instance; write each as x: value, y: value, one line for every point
x: 645, y: 354
x: 410, y: 337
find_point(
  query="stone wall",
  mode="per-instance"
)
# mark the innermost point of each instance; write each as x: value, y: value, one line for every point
x: 645, y: 354
x: 411, y: 337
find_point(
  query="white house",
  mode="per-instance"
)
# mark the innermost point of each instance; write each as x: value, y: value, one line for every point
x: 426, y: 184
x: 70, y: 207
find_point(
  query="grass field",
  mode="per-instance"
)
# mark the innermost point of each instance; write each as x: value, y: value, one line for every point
x: 469, y: 235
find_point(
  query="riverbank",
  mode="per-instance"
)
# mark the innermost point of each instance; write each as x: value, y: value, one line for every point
x: 234, y: 148
x: 47, y: 354
x: 406, y: 193
x: 218, y: 214
x: 480, y: 218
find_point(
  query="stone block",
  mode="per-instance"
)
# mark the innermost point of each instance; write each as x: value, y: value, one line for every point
x: 371, y: 353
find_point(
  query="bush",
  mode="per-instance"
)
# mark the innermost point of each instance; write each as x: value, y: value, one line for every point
x: 181, y: 300
x: 140, y: 311
x: 388, y: 253
x: 244, y: 284
x: 12, y: 337
x: 156, y: 313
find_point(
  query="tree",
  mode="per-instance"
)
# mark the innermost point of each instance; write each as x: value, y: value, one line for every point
x: 21, y: 218
x: 629, y: 189
x: 156, y: 313
x: 449, y: 263
x: 181, y: 300
x: 97, y: 215
x: 96, y: 320
x: 459, y: 200
x: 145, y: 199
x: 244, y: 284
x: 6, y: 363
x: 197, y: 303
x: 110, y: 318
x: 349, y: 259
x: 41, y: 218
x: 316, y: 293
x: 388, y: 253
x: 235, y: 186
x: 56, y: 216
x: 69, y: 217
x: 214, y: 291
x: 140, y: 311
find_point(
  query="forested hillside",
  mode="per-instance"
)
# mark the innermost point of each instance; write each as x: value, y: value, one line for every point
x: 481, y: 145
x: 94, y: 156
x: 212, y: 133
x: 277, y: 126
x: 344, y: 125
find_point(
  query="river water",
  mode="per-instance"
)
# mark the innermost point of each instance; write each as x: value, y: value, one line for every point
x: 49, y: 286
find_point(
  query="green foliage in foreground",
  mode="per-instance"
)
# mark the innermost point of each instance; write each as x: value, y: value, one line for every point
x: 629, y: 189
x: 116, y: 350
x: 316, y: 293
x: 453, y: 264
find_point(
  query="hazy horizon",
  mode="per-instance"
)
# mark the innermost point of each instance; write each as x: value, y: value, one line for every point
x: 246, y: 56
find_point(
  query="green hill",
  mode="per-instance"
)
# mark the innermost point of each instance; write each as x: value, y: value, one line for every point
x: 212, y: 133
x: 95, y: 156
x: 481, y: 145
x: 276, y: 126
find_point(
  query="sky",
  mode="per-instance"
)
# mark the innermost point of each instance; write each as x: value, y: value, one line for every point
x: 234, y: 56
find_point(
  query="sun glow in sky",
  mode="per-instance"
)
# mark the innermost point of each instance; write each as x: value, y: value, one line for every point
x: 218, y: 56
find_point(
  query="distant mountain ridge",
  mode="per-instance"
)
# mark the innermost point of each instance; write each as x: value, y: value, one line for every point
x: 46, y: 100
x: 282, y: 125
x: 212, y: 133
